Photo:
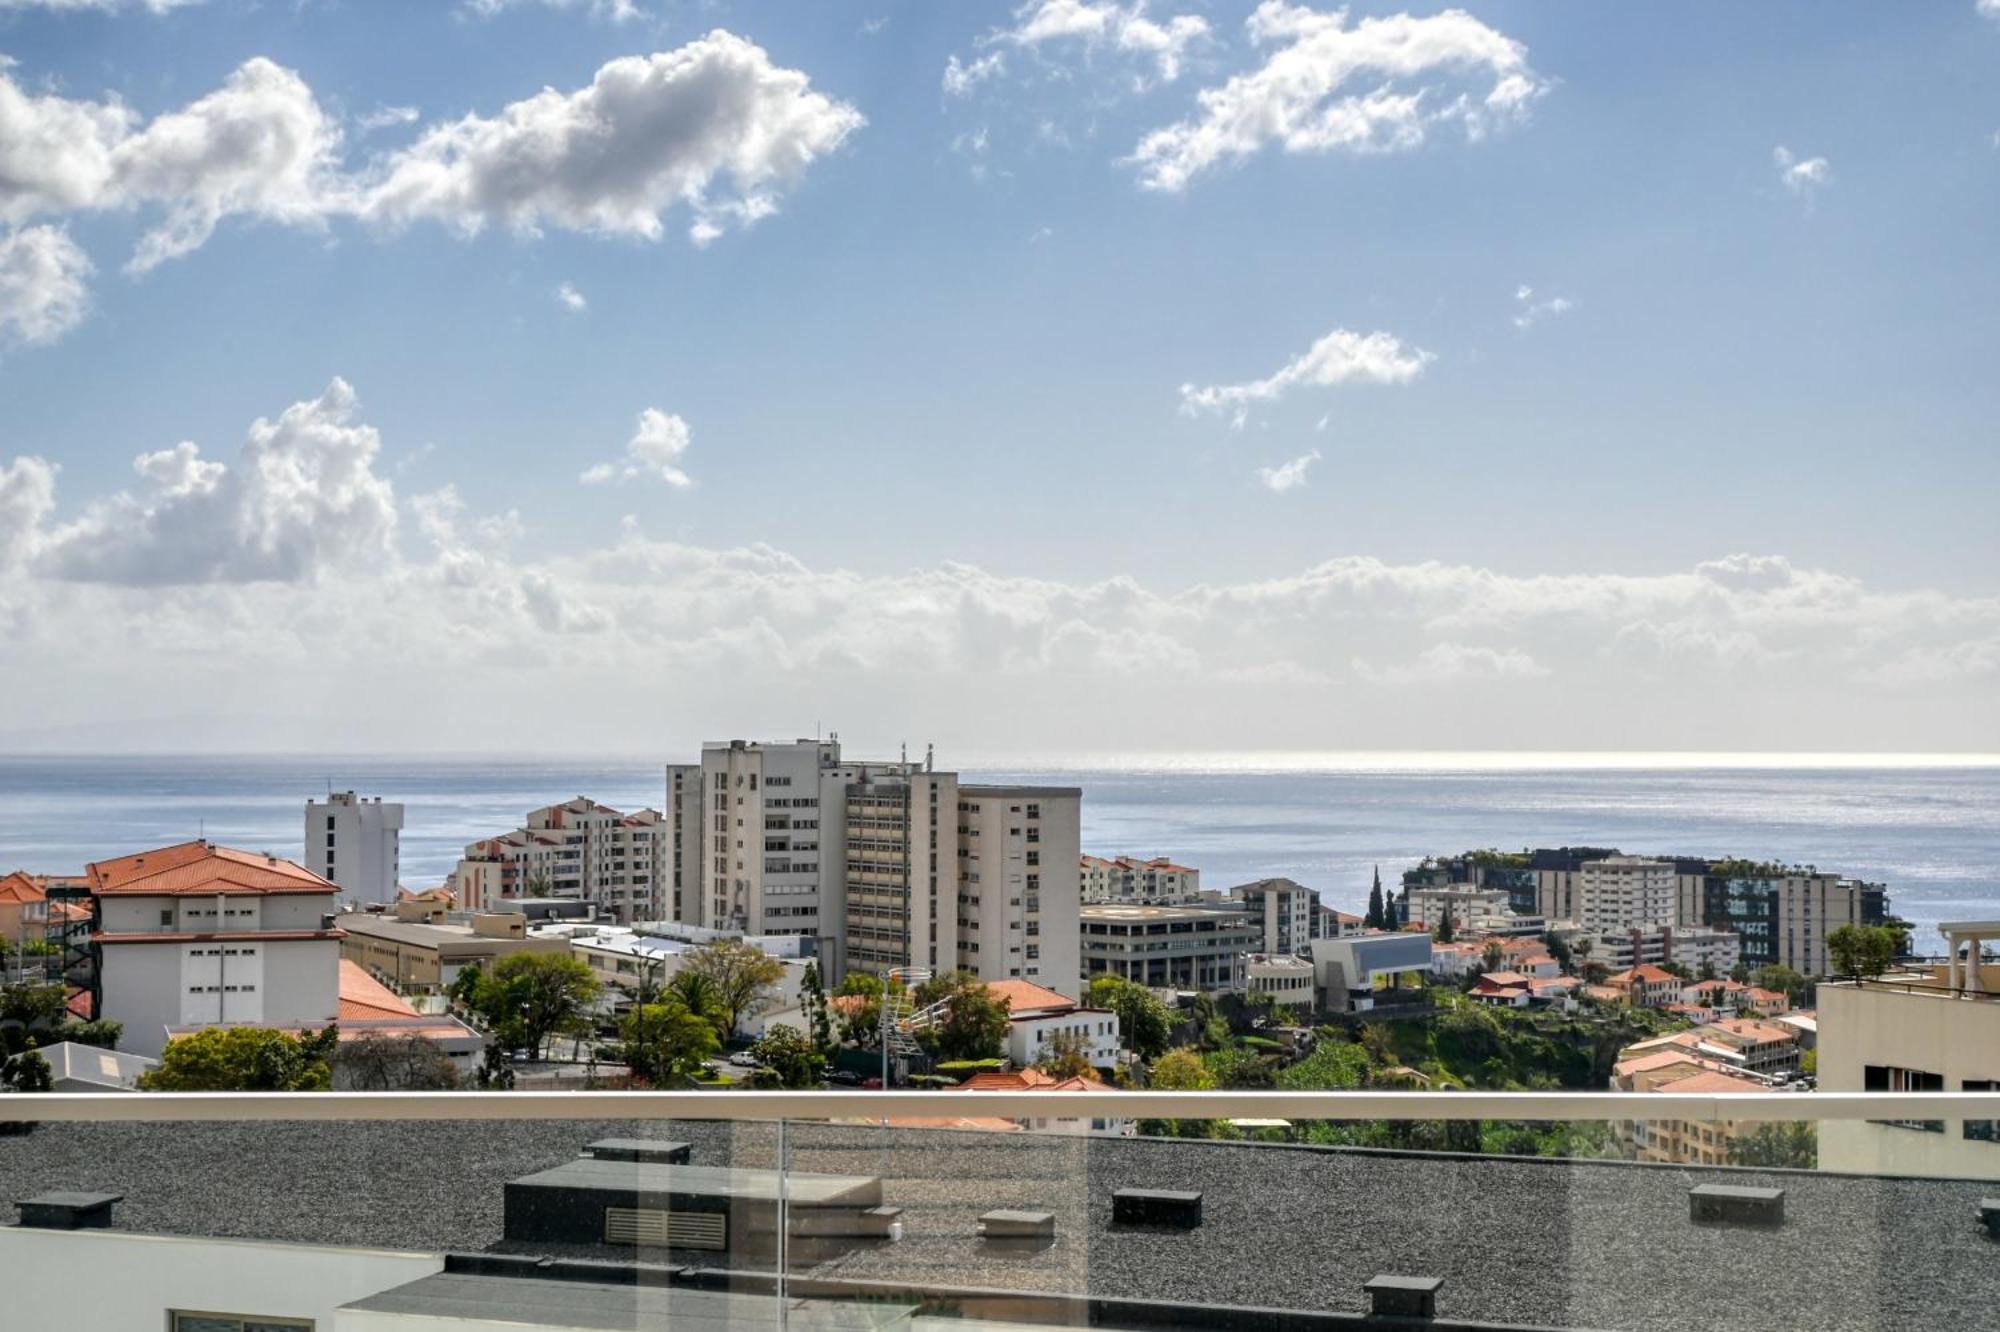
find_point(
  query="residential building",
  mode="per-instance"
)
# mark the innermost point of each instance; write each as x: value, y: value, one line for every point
x: 1782, y: 915
x: 196, y: 935
x: 1038, y: 1017
x: 1129, y: 879
x: 625, y: 960
x: 28, y: 917
x: 1170, y: 947
x: 1283, y: 908
x: 1928, y: 1029
x: 1619, y: 894
x: 1508, y: 873
x: 420, y: 958
x: 1471, y: 908
x: 770, y: 847
x: 1286, y: 977
x: 1691, y: 946
x: 1064, y: 1115
x: 88, y: 1068
x: 682, y: 851
x: 1763, y: 1047
x: 355, y: 842
x: 1359, y: 974
x: 579, y: 849
x: 1330, y: 924
x: 1707, y: 1142
x: 1646, y: 986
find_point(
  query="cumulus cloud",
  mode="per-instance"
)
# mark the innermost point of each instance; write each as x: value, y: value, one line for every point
x: 302, y: 497
x: 44, y: 285
x: 1097, y: 25
x: 259, y: 146
x: 101, y: 6
x: 1801, y: 177
x: 961, y: 79
x: 1381, y: 85
x: 654, y: 452
x: 1287, y: 476
x: 1530, y: 310
x: 569, y: 298
x: 211, y: 577
x: 1341, y: 357
x: 714, y: 126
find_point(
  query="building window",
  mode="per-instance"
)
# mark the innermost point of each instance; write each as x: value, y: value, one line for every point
x: 1982, y: 1130
x: 179, y: 1321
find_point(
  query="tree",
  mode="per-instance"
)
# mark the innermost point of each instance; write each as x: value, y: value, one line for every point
x: 666, y: 1041
x: 1582, y: 948
x: 696, y: 992
x: 1332, y: 1066
x: 812, y: 1001
x: 1144, y: 1025
x: 971, y: 1024
x: 1492, y: 955
x: 787, y: 1059
x: 745, y: 978
x: 1375, y: 919
x: 529, y: 997
x: 1181, y: 1070
x: 1067, y: 1055
x: 1677, y: 970
x: 1559, y: 950
x: 1861, y: 950
x: 1793, y: 1145
x: 1446, y: 931
x: 27, y: 1072
x: 1783, y: 979
x: 245, y: 1059
x: 381, y: 1062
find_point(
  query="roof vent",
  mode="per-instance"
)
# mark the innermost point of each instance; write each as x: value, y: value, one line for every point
x: 1402, y: 1296
x: 1727, y: 1204
x: 1156, y: 1207
x: 1989, y: 1216
x: 68, y: 1211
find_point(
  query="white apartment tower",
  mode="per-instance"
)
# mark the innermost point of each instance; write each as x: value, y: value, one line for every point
x: 356, y: 843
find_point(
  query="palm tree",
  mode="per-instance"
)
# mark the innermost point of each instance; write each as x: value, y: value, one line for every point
x: 698, y: 991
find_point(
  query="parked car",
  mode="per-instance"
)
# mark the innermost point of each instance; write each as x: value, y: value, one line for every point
x: 872, y: 1084
x: 743, y: 1059
x: 845, y: 1077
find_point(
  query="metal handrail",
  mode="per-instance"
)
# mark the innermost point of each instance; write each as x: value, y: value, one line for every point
x: 167, y: 1107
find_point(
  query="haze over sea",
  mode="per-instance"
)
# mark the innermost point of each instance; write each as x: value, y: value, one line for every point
x: 1927, y: 825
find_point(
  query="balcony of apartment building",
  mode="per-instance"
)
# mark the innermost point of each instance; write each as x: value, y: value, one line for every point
x: 1042, y: 1205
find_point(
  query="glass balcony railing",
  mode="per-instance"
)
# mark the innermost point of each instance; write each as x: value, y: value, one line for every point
x: 976, y: 1211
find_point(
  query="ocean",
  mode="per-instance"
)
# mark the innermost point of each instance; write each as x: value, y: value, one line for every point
x: 1930, y: 829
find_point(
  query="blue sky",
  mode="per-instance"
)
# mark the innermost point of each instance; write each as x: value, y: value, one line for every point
x: 960, y: 341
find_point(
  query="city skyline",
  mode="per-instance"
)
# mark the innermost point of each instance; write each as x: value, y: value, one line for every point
x: 1070, y: 376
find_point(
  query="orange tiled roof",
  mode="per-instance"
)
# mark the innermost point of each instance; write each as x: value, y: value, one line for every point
x: 362, y: 996
x: 1026, y: 996
x: 1028, y: 1079
x: 199, y: 868
x: 21, y: 889
x: 1712, y: 1080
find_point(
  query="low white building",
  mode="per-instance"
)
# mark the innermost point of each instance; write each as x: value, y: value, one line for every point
x: 1692, y: 946
x: 1129, y: 879
x: 1286, y: 977
x: 1348, y: 972
x: 579, y: 849
x: 624, y: 960
x: 1037, y: 1016
x: 89, y: 1068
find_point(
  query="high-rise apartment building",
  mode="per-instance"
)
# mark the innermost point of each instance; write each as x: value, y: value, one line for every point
x: 355, y: 843
x: 579, y: 849
x: 884, y: 864
x: 1783, y: 915
x: 1611, y: 894
x: 1285, y: 910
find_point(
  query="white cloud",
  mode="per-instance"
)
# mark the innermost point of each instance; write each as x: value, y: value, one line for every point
x: 1341, y: 357
x: 302, y: 497
x: 191, y: 594
x: 1381, y: 85
x: 1529, y: 311
x: 1287, y: 476
x: 654, y: 452
x: 1103, y: 24
x: 387, y: 117
x: 713, y: 125
x: 1449, y: 662
x: 961, y: 79
x: 44, y: 291
x: 1803, y: 177
x: 1990, y: 8
x: 259, y: 146
x: 570, y: 299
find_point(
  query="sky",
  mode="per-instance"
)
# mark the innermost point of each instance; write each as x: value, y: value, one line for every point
x: 1086, y: 375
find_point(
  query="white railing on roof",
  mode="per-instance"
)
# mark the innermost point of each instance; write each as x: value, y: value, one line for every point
x: 160, y: 1107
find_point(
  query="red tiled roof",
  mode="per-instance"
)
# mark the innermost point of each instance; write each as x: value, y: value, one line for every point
x: 1028, y: 1079
x: 1026, y: 996
x: 200, y: 869
x: 21, y: 889
x: 362, y: 996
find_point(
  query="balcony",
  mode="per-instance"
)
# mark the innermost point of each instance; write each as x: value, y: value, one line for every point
x: 973, y: 1210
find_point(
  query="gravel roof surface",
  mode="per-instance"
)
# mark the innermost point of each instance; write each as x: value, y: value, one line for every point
x: 1564, y: 1245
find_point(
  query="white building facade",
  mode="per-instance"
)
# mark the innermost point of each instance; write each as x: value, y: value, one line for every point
x: 356, y: 843
x: 580, y: 850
